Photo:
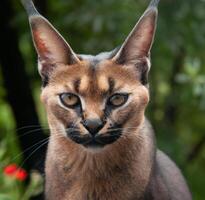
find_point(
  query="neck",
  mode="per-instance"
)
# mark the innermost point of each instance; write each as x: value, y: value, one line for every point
x: 82, y: 172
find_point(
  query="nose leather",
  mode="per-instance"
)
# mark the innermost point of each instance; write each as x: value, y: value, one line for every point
x: 93, y: 125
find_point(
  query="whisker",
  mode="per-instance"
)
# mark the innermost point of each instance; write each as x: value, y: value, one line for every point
x: 33, y: 152
x: 31, y: 131
x: 121, y: 129
x: 30, y: 126
x: 27, y: 133
x: 37, y: 130
x: 27, y: 149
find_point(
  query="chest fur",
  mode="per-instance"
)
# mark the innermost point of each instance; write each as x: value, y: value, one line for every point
x: 117, y: 173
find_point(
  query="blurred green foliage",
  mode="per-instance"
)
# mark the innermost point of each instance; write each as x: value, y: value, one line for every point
x: 177, y: 77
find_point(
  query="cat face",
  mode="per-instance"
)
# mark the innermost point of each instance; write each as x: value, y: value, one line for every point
x: 95, y: 105
x: 94, y: 100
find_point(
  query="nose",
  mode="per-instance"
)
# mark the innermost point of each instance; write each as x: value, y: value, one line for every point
x: 93, y: 125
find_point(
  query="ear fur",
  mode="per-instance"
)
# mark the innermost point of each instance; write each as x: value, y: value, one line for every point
x: 136, y: 48
x: 50, y: 45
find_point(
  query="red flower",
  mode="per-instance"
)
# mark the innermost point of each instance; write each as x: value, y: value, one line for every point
x: 10, y: 170
x: 15, y: 171
x: 21, y: 174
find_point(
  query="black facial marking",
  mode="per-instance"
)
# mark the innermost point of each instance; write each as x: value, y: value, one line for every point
x: 45, y: 81
x: 45, y: 71
x: 97, y: 140
x: 108, y: 138
x: 79, y: 111
x: 107, y: 111
x: 101, y: 140
x: 74, y: 134
x: 76, y: 85
x: 111, y: 84
x: 143, y: 70
x: 78, y: 138
x: 112, y: 135
x: 144, y: 78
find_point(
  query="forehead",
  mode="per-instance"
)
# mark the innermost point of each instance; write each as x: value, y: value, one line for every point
x: 88, y: 77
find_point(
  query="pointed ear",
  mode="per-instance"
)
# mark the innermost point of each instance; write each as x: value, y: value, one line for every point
x: 52, y: 49
x: 139, y: 42
x: 136, y: 48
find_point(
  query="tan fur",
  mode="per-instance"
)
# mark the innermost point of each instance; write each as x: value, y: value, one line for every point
x: 98, y: 151
x: 110, y: 174
x: 103, y: 83
x: 74, y: 172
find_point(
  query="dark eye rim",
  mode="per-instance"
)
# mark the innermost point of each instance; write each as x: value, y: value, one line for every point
x: 78, y: 103
x: 125, y: 95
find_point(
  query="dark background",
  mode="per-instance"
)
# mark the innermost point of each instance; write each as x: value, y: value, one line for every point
x: 177, y: 77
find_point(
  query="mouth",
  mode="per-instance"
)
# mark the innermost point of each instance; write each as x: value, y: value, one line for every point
x: 99, y: 140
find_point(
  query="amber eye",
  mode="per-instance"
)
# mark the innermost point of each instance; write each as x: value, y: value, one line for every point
x: 69, y: 100
x: 118, y: 99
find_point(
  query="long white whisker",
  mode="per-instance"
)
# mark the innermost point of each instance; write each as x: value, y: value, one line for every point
x: 27, y: 149
x: 47, y: 139
x: 33, y: 152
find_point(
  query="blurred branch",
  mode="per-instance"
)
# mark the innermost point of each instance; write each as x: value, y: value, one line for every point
x: 196, y: 150
x: 172, y: 105
x: 18, y: 89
